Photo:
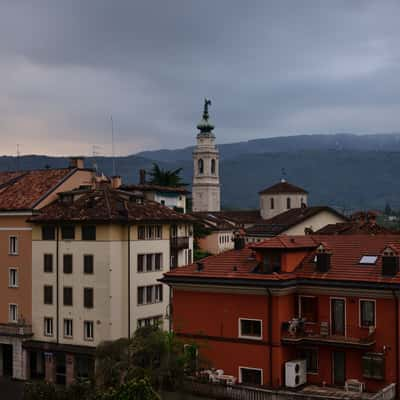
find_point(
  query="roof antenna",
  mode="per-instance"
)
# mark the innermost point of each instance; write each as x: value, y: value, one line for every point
x: 18, y: 158
x: 112, y: 147
x: 95, y: 153
x: 283, y: 172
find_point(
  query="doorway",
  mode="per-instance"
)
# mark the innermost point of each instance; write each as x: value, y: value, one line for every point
x: 61, y: 370
x: 338, y: 317
x: 339, y: 368
x: 7, y: 351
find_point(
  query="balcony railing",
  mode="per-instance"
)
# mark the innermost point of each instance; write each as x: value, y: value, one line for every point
x: 299, y: 332
x: 21, y: 330
x: 179, y: 243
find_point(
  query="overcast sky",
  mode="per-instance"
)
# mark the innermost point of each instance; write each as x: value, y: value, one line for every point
x: 271, y: 68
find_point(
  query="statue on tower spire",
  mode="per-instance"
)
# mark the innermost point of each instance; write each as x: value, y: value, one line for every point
x: 204, y: 125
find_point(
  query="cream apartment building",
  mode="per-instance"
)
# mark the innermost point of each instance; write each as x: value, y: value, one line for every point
x: 22, y: 194
x: 97, y: 257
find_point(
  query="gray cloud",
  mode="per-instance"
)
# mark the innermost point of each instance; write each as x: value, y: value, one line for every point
x: 271, y: 68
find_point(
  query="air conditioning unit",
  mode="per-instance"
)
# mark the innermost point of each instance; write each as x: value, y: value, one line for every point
x: 295, y: 373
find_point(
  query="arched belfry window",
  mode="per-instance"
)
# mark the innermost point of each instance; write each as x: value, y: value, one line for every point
x: 213, y: 166
x: 272, y: 203
x: 288, y: 203
x: 201, y: 166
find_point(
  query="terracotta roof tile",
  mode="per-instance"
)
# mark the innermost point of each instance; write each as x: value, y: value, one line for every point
x: 147, y: 187
x: 283, y: 187
x: 354, y: 228
x: 104, y: 204
x: 24, y: 189
x: 287, y: 219
x: 345, y: 261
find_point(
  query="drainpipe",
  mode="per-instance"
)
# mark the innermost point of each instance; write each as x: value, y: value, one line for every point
x: 129, y: 281
x: 396, y: 299
x: 57, y: 283
x: 270, y: 333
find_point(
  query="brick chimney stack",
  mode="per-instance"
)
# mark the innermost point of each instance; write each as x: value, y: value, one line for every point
x: 77, y: 162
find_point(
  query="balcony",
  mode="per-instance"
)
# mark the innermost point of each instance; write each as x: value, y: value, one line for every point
x: 179, y: 243
x: 19, y: 330
x: 298, y: 332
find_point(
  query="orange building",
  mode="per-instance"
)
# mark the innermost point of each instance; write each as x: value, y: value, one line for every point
x: 22, y: 193
x: 330, y: 300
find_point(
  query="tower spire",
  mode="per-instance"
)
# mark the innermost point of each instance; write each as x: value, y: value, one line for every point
x: 205, y: 126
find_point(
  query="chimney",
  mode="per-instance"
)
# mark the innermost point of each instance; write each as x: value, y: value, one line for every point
x: 390, y: 262
x: 142, y: 176
x: 77, y: 162
x: 116, y: 182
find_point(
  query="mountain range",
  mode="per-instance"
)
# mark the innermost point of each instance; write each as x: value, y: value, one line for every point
x: 343, y: 170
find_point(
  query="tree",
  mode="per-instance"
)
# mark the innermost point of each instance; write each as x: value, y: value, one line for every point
x: 164, y: 177
x: 112, y: 362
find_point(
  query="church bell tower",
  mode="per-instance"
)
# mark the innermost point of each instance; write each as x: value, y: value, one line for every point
x: 206, y: 188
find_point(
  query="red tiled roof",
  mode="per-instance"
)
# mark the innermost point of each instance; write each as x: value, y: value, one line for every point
x: 22, y: 190
x: 283, y: 187
x: 233, y: 264
x: 354, y: 228
x: 147, y: 187
x: 287, y: 242
x: 239, y: 216
x: 281, y: 222
x: 104, y: 204
x: 345, y: 261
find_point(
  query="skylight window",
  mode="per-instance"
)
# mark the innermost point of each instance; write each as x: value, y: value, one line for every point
x: 368, y: 260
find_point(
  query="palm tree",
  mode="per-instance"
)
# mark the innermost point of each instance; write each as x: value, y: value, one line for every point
x: 164, y: 177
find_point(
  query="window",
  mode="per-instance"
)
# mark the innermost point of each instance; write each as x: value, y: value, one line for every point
x: 272, y: 203
x: 140, y: 262
x: 368, y: 260
x: 250, y: 376
x: 68, y: 328
x: 48, y: 232
x: 311, y: 356
x: 48, y: 263
x: 48, y: 294
x: 68, y: 232
x: 141, y: 295
x: 67, y: 263
x: 88, y: 331
x: 250, y: 328
x: 272, y: 263
x: 67, y: 296
x: 190, y: 256
x: 288, y: 203
x: 158, y: 293
x: 48, y: 327
x: 13, y: 278
x: 201, y: 166
x: 367, y: 313
x: 149, y: 262
x: 88, y: 261
x: 88, y: 297
x: 373, y: 366
x: 12, y: 313
x: 88, y: 232
x: 142, y: 232
x: 308, y: 308
x: 149, y: 232
x: 13, y: 245
x: 213, y: 164
x: 151, y: 321
x: 150, y: 294
x: 158, y: 261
